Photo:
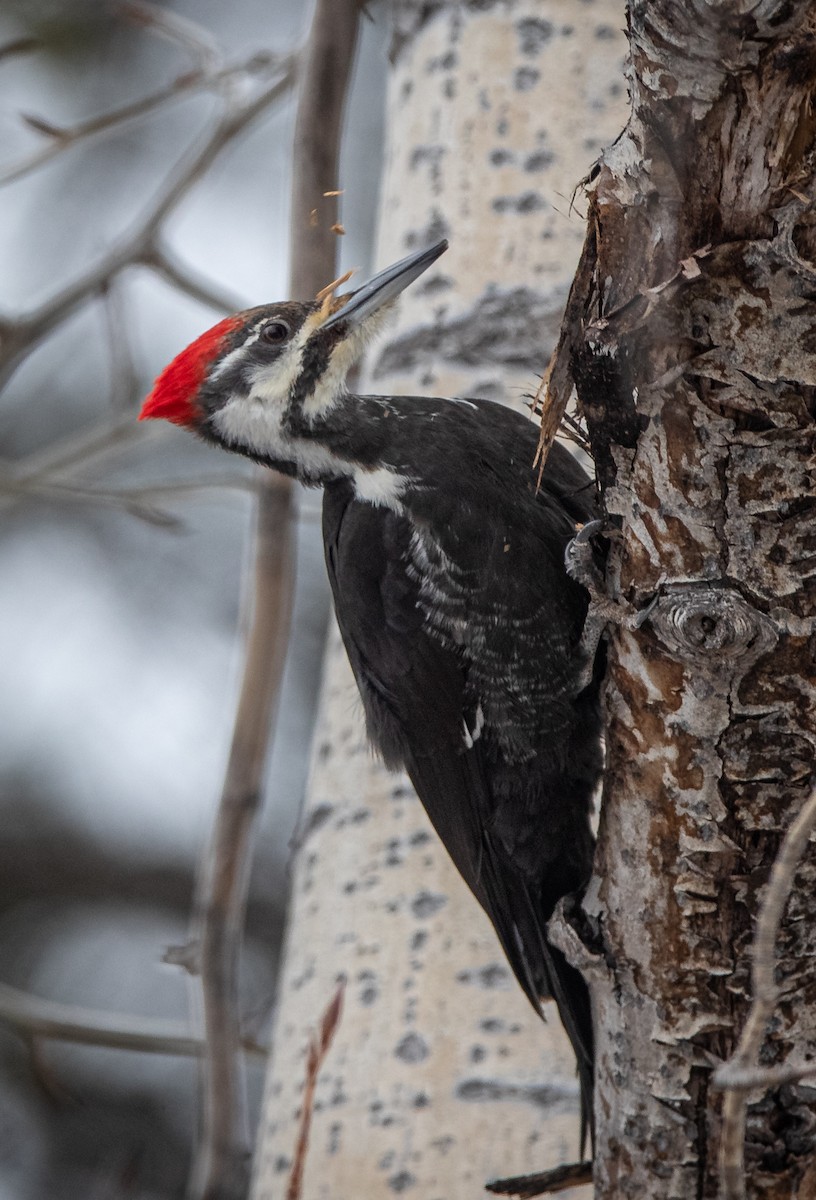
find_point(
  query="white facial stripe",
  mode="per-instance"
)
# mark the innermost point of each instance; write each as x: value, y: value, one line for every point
x: 274, y: 382
x: 238, y: 352
x: 254, y: 424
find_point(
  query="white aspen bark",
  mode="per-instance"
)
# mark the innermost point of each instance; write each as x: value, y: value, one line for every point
x: 440, y: 1076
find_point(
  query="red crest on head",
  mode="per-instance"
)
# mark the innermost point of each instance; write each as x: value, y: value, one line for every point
x: 173, y: 394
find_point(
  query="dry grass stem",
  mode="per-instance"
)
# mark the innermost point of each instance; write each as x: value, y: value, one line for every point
x: 318, y: 1049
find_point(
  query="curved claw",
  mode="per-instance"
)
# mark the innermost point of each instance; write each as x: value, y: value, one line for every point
x: 587, y: 532
x: 642, y: 616
x: 578, y: 558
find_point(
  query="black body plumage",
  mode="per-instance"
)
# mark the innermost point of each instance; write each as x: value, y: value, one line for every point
x: 446, y: 560
x: 463, y: 630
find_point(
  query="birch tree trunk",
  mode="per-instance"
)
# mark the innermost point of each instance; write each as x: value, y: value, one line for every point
x: 440, y: 1075
x: 695, y: 361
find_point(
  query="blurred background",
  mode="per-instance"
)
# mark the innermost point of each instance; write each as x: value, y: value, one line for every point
x: 121, y: 576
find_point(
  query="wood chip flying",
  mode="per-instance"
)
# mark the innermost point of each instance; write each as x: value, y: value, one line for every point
x: 338, y: 229
x: 331, y: 287
x: 328, y: 303
x: 342, y: 192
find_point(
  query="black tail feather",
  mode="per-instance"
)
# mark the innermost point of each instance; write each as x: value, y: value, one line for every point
x: 541, y: 969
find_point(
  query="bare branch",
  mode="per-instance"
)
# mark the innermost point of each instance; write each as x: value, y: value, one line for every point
x: 765, y: 999
x: 219, y: 1168
x: 22, y: 45
x: 222, y: 1158
x: 75, y: 448
x: 134, y: 505
x: 134, y: 495
x: 313, y: 247
x: 61, y: 139
x: 165, y: 263
x: 20, y: 336
x: 35, y: 1017
x: 233, y: 122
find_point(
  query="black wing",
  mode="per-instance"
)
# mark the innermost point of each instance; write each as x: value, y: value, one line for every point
x: 507, y: 806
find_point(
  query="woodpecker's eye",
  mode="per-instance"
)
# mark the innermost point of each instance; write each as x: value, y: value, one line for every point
x: 275, y: 332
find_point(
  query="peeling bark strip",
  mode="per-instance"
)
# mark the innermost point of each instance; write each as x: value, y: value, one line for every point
x: 695, y: 363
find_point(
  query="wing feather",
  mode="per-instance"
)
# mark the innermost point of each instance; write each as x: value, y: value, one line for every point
x: 516, y: 829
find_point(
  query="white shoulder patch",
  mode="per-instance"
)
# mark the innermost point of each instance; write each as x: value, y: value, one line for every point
x: 381, y: 487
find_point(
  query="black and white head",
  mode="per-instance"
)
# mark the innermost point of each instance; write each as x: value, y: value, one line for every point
x: 261, y: 382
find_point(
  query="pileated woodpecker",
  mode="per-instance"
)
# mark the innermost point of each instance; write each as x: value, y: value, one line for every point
x: 447, y: 566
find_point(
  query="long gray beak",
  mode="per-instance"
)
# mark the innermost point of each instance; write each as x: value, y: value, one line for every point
x: 385, y: 286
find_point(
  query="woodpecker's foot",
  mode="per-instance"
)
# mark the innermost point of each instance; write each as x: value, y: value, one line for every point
x: 581, y: 566
x: 579, y: 560
x: 603, y: 610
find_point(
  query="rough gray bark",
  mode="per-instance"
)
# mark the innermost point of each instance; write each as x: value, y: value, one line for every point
x: 694, y: 357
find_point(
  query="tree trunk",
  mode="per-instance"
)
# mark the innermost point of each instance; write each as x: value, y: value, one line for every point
x: 440, y: 1075
x: 695, y: 363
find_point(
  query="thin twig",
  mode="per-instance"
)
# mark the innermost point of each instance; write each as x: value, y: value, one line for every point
x: 764, y: 1002
x: 195, y: 39
x: 36, y: 1017
x: 61, y: 139
x: 207, y: 73
x: 19, y: 336
x: 318, y: 1049
x: 233, y: 122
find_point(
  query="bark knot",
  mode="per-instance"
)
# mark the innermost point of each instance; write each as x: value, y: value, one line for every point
x: 712, y: 626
